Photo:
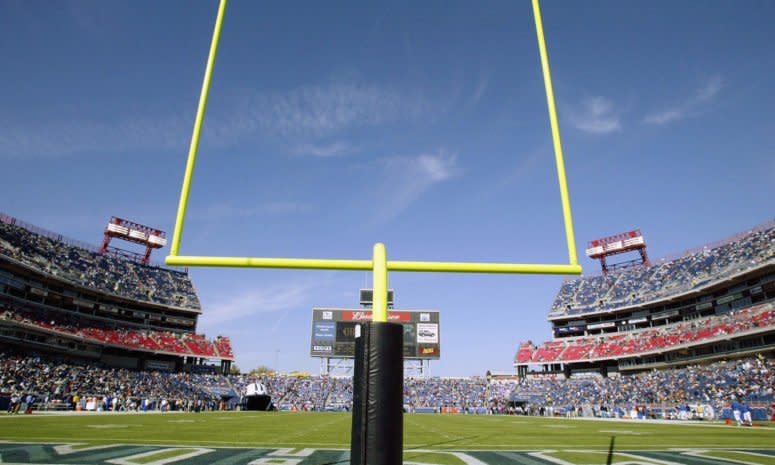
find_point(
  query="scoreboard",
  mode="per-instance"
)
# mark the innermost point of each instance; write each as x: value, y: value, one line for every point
x: 333, y: 332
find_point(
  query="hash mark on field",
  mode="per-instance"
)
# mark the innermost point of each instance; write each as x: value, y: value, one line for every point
x: 622, y: 431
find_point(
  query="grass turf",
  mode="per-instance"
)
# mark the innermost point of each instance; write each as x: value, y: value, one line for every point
x: 332, y: 431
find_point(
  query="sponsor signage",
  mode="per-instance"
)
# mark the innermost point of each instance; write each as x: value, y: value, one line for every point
x: 663, y: 315
x: 334, y: 332
x: 428, y: 351
x: 159, y: 365
x: 570, y: 329
x: 726, y: 299
x: 427, y: 333
x: 365, y: 315
x: 325, y: 331
x: 607, y: 324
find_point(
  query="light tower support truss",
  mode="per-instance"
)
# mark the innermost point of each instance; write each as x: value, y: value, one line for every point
x: 630, y: 241
x: 129, y: 231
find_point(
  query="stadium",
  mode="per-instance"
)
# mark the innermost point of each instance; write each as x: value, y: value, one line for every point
x: 678, y: 341
x: 399, y: 124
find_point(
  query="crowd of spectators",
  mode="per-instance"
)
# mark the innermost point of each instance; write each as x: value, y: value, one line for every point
x: 750, y: 380
x: 104, y: 332
x: 68, y: 385
x: 649, y: 340
x: 83, y: 266
x: 87, y: 386
x: 640, y: 285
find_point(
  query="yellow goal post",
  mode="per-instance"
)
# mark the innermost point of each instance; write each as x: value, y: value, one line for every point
x: 379, y: 264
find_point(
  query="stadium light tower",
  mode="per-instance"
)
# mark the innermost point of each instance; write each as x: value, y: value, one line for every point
x: 119, y: 228
x: 630, y: 241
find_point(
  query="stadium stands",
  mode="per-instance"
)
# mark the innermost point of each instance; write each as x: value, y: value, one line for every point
x: 99, y: 331
x: 713, y: 302
x: 750, y: 380
x: 83, y: 266
x: 69, y: 384
x: 60, y: 384
x: 59, y: 295
x: 641, y: 285
x: 590, y: 348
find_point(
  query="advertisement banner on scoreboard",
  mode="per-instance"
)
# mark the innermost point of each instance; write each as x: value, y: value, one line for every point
x: 428, y: 351
x: 334, y: 331
x: 324, y: 331
x: 427, y: 333
x: 365, y: 315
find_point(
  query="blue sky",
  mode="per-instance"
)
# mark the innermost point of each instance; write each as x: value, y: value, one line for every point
x: 334, y: 125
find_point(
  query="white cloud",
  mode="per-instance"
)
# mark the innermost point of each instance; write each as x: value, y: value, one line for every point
x: 595, y: 115
x: 220, y: 211
x: 324, y: 109
x: 434, y: 168
x: 689, y: 107
x: 709, y: 90
x: 410, y: 177
x: 481, y: 88
x: 308, y: 111
x: 279, y: 298
x: 337, y: 149
x: 67, y: 136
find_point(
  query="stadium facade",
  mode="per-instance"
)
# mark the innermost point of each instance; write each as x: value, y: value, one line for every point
x: 712, y: 303
x: 69, y: 299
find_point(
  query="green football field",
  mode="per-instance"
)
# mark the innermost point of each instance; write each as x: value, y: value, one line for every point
x: 323, y: 438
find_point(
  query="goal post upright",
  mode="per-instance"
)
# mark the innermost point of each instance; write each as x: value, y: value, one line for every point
x: 200, y: 115
x: 556, y: 141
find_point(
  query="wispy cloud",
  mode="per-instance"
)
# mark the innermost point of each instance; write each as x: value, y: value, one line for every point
x: 336, y: 149
x: 410, y: 177
x: 220, y: 212
x: 595, y: 115
x: 325, y: 109
x: 278, y: 298
x: 309, y: 111
x: 67, y: 136
x: 481, y: 87
x: 689, y: 107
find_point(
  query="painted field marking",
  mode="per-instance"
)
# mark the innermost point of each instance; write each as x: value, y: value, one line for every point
x: 465, y: 458
x: 289, y: 452
x: 73, y: 448
x: 637, y: 459
x: 702, y: 454
x: 130, y: 460
x: 623, y: 431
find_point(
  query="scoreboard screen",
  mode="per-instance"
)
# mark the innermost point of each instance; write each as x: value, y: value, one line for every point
x: 333, y: 332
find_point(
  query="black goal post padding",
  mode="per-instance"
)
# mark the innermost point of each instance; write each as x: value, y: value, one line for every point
x: 378, y: 395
